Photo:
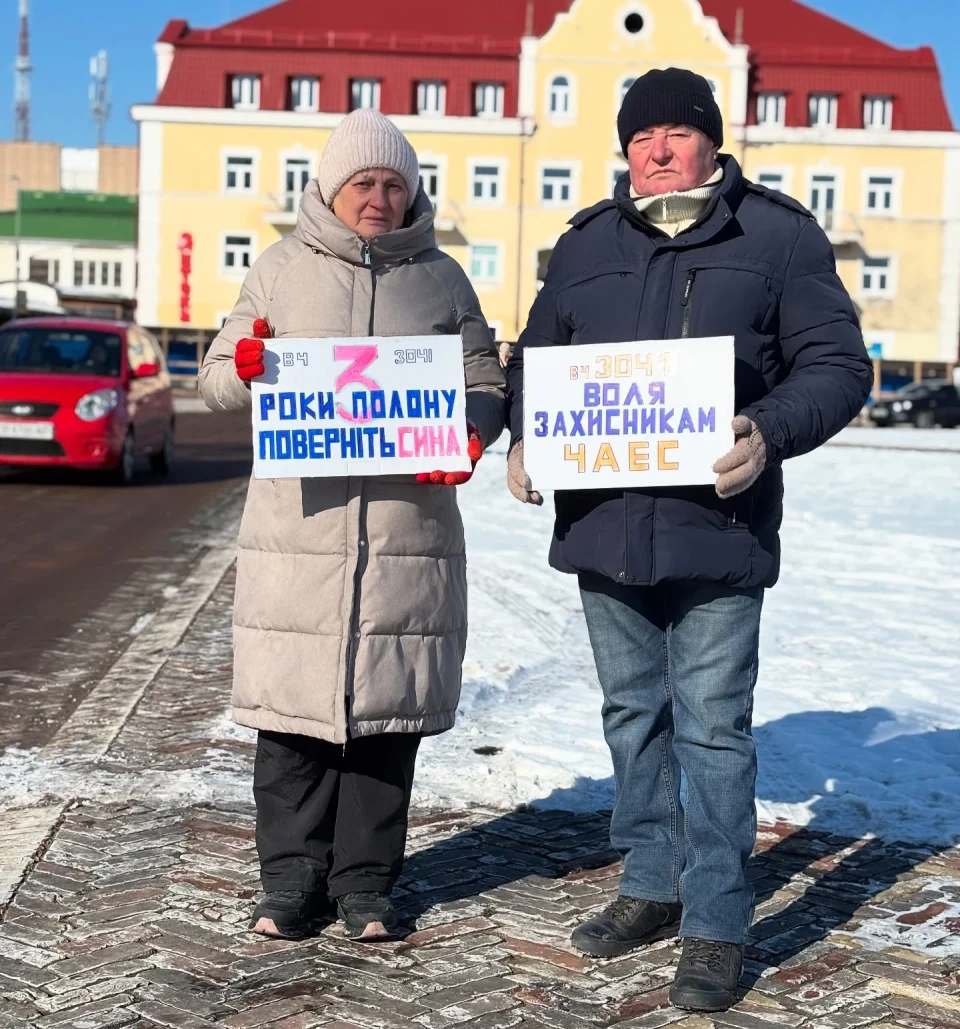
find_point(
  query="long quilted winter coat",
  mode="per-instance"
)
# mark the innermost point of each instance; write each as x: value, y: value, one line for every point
x: 351, y: 606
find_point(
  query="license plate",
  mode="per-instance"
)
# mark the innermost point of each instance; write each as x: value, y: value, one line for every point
x: 880, y: 412
x: 26, y: 430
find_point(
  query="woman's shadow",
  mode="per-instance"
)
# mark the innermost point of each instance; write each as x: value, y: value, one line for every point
x: 830, y: 877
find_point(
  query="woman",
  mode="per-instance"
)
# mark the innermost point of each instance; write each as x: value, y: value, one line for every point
x: 350, y: 618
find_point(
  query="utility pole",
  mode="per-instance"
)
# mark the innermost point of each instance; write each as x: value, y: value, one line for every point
x: 16, y: 252
x: 99, y: 94
x: 21, y: 75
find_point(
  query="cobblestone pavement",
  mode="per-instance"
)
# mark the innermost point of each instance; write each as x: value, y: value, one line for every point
x: 137, y: 873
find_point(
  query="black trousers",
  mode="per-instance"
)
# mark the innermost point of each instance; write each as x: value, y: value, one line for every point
x: 333, y: 817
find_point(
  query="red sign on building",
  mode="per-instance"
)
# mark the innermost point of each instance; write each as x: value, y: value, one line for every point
x: 185, y: 246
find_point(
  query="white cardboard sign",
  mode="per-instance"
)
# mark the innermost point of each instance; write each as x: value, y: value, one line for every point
x: 627, y: 415
x: 377, y: 405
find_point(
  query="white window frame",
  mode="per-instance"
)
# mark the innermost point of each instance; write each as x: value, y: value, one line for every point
x: 622, y: 88
x: 439, y: 163
x: 573, y: 167
x: 236, y: 271
x: 312, y: 84
x: 779, y: 101
x: 838, y: 184
x: 431, y: 88
x: 568, y: 92
x: 896, y: 192
x: 240, y: 101
x: 614, y: 170
x: 833, y: 102
x: 785, y: 171
x: 480, y: 96
x: 890, y: 291
x: 500, y: 164
x: 357, y: 90
x: 243, y: 154
x: 869, y: 110
x: 494, y: 281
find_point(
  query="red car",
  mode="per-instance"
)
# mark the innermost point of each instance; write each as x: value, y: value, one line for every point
x: 87, y: 394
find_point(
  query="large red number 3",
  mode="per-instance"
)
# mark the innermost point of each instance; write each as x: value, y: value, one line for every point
x: 360, y: 359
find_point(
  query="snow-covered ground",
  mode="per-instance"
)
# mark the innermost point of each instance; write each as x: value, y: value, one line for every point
x: 858, y: 704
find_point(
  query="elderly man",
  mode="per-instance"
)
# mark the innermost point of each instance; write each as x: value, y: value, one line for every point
x: 672, y: 580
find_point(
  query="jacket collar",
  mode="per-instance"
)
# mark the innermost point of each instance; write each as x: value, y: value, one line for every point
x: 716, y: 216
x: 321, y: 229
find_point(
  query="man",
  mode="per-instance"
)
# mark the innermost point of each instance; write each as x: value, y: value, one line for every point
x: 672, y: 580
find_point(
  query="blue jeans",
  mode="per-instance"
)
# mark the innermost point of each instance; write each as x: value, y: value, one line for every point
x: 678, y: 665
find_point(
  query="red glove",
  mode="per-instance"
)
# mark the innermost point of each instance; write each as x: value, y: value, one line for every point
x: 474, y: 452
x: 248, y: 356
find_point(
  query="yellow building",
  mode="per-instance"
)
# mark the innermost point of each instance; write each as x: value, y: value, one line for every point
x: 513, y: 117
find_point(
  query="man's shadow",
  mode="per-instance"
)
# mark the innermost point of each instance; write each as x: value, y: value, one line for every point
x: 839, y: 875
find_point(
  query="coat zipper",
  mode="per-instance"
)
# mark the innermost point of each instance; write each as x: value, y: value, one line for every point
x: 367, y: 262
x: 687, y: 306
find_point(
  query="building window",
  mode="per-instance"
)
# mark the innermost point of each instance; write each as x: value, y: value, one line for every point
x: 488, y: 100
x: 616, y: 170
x: 91, y: 273
x: 556, y: 186
x: 823, y: 198
x: 431, y: 98
x: 104, y: 273
x: 239, y: 174
x: 245, y: 92
x: 237, y: 253
x: 560, y: 102
x: 823, y: 111
x: 625, y: 88
x: 880, y: 194
x: 305, y: 94
x: 485, y: 263
x: 772, y: 180
x: 878, y: 113
x: 430, y: 182
x: 876, y: 277
x: 39, y: 270
x: 487, y: 187
x: 117, y: 275
x: 78, y: 273
x: 772, y: 109
x: 296, y: 175
x: 365, y: 93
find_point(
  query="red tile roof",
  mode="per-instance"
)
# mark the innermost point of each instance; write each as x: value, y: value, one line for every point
x: 793, y: 48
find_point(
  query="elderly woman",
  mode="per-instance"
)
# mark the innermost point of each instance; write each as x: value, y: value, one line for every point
x: 350, y: 618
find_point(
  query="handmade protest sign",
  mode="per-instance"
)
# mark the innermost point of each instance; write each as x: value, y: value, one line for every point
x: 368, y: 406
x: 627, y: 415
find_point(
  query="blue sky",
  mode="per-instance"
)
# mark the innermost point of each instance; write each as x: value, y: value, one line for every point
x: 66, y: 35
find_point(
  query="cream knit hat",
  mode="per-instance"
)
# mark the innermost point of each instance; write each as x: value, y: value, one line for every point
x: 366, y: 139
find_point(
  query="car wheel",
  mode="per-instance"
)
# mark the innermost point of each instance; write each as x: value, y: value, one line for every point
x: 924, y: 420
x: 122, y: 475
x: 162, y: 461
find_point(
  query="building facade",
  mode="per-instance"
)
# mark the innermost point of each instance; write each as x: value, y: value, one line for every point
x: 512, y: 110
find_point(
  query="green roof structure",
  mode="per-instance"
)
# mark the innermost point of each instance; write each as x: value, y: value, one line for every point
x: 80, y: 217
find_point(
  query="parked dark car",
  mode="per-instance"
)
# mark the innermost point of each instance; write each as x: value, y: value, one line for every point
x: 923, y: 404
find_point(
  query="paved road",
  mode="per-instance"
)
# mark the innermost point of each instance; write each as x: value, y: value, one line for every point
x: 84, y: 565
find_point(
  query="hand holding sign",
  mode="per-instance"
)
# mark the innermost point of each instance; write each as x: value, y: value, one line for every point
x: 474, y: 452
x: 248, y: 356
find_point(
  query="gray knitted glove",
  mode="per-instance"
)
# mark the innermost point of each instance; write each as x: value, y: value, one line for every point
x: 518, y: 482
x: 740, y: 467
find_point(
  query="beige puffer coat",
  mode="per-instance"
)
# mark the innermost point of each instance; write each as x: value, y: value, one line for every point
x: 351, y: 607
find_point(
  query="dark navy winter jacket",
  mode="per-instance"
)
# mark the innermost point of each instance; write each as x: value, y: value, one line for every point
x: 755, y: 266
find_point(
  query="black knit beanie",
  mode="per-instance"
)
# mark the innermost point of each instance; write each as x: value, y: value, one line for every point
x: 671, y: 96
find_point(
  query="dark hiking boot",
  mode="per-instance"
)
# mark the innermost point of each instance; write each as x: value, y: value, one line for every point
x: 369, y: 916
x: 707, y: 976
x: 292, y: 912
x: 626, y: 924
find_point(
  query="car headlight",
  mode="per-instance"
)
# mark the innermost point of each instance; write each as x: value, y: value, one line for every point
x: 898, y: 407
x: 907, y: 404
x: 96, y: 405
